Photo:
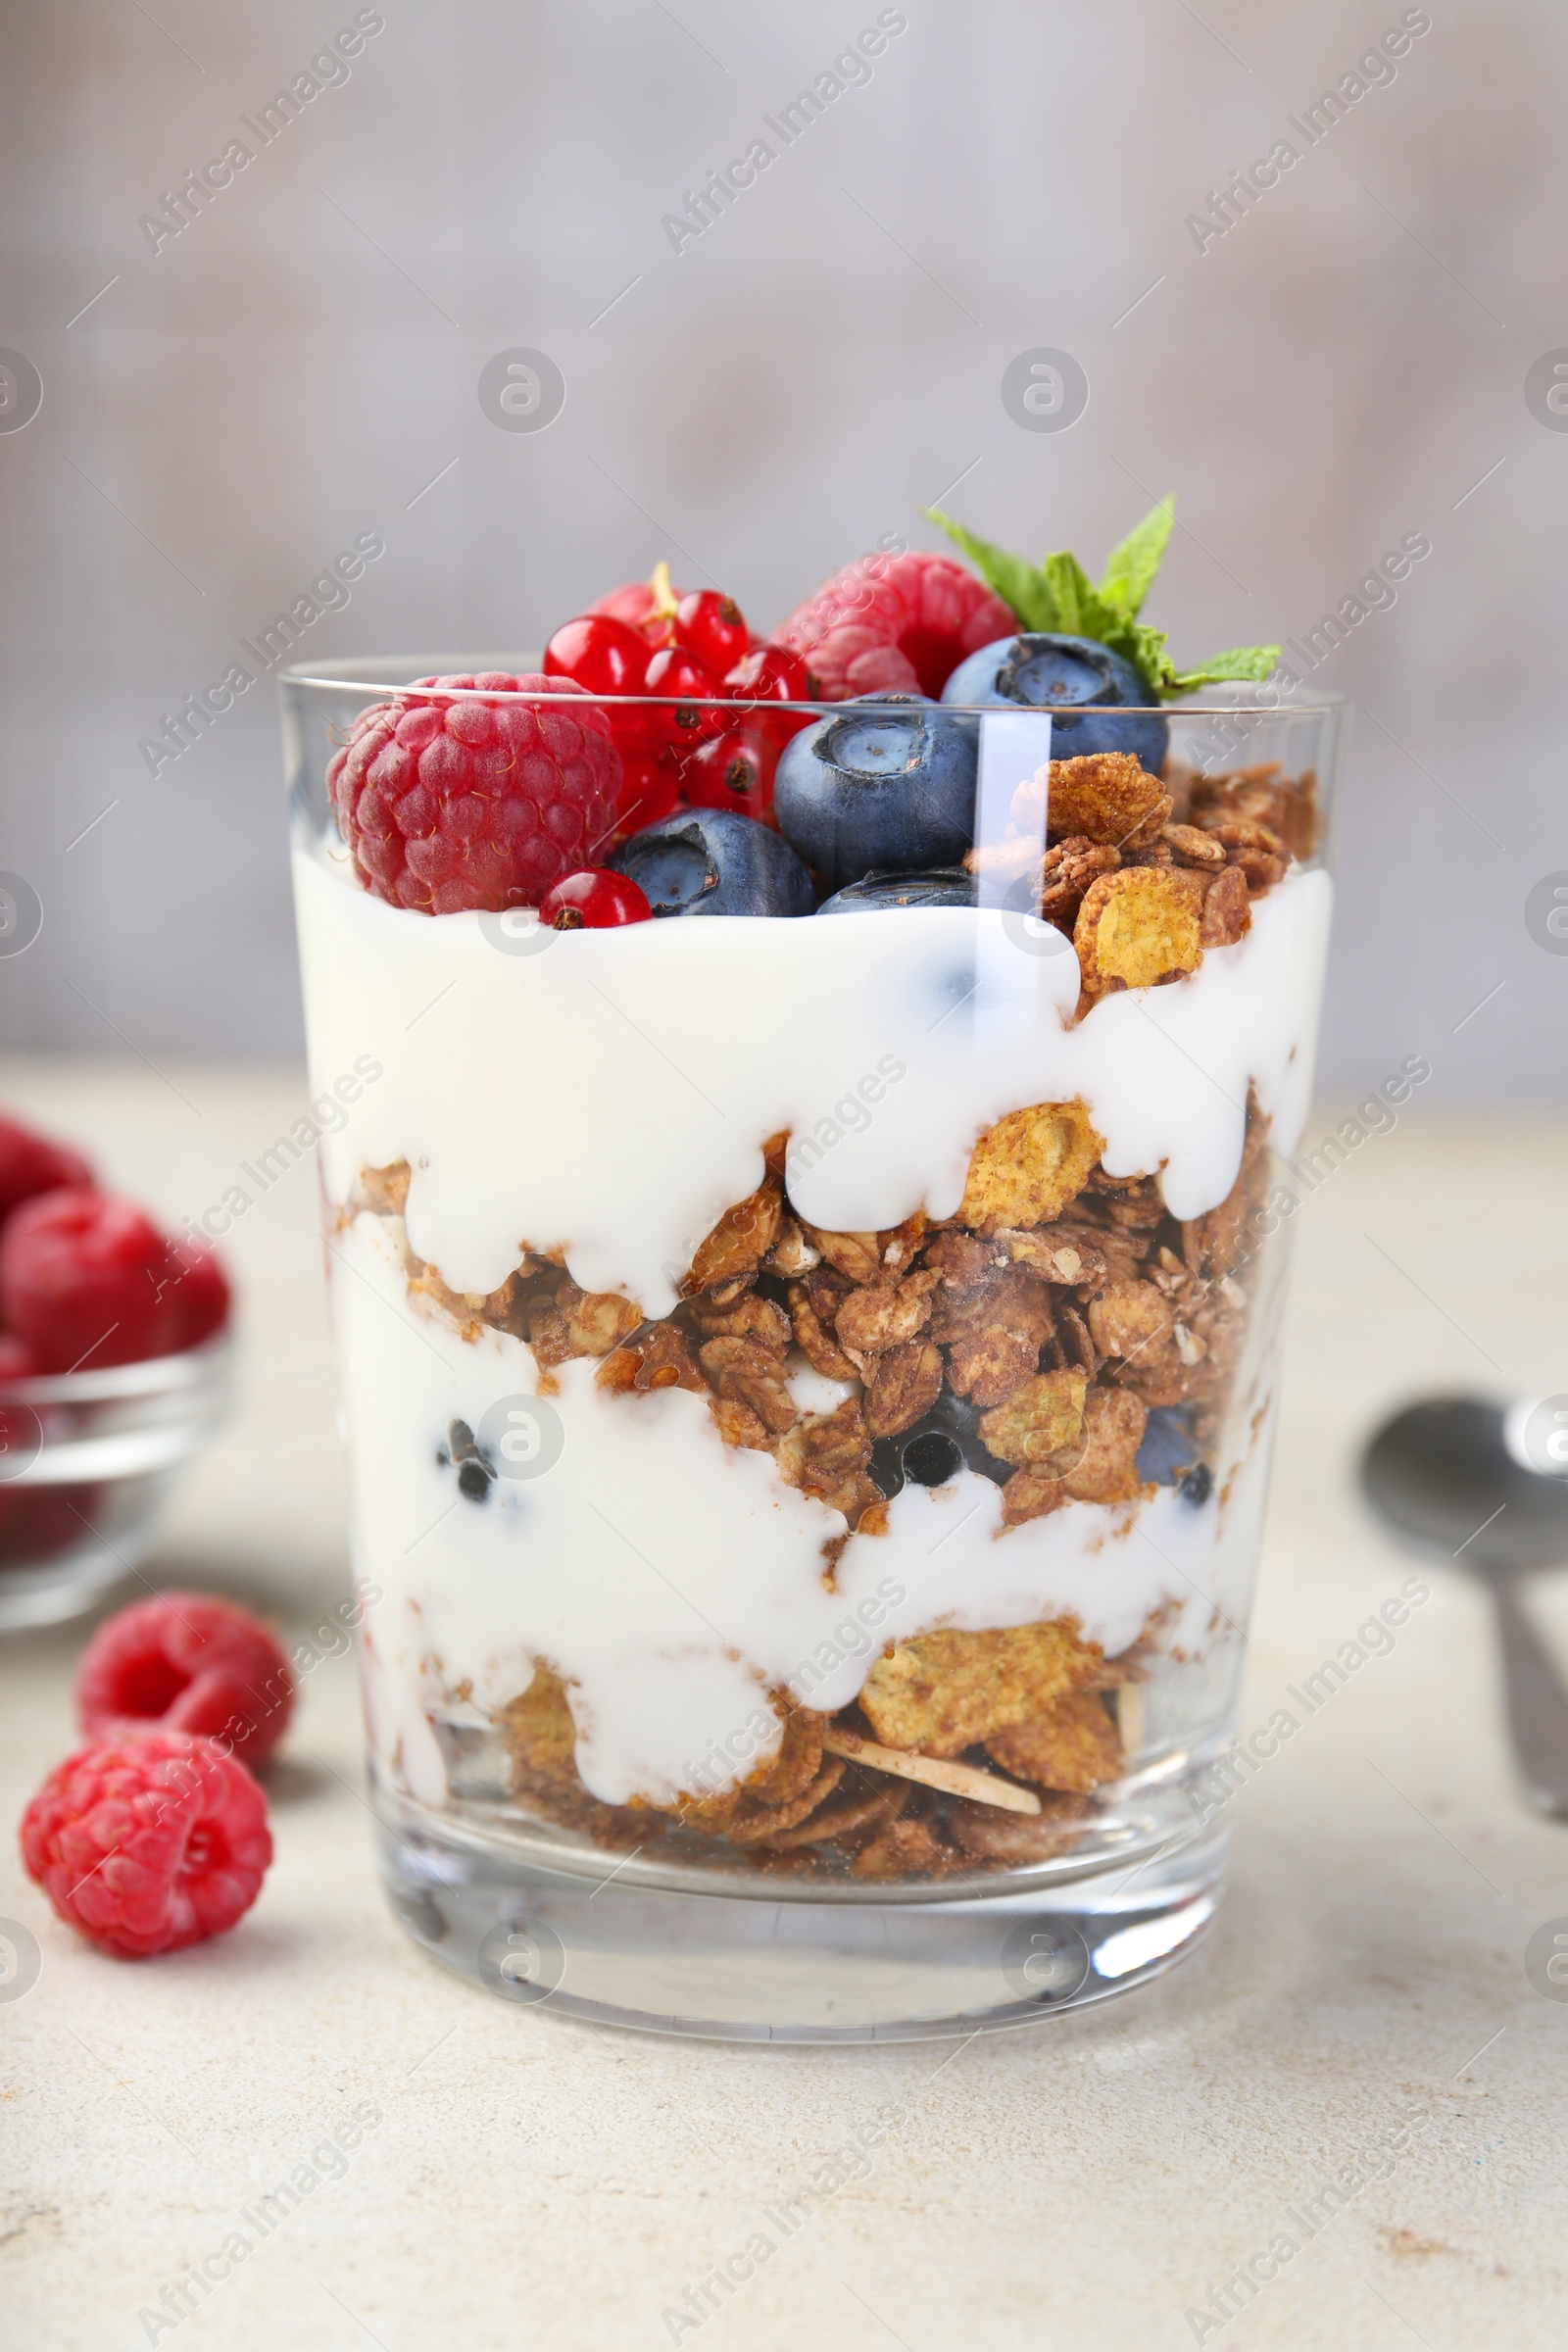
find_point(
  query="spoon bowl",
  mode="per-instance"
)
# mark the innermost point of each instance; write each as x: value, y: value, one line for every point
x: 1441, y: 1477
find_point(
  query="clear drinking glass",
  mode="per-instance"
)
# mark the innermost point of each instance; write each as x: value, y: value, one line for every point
x: 808, y: 1382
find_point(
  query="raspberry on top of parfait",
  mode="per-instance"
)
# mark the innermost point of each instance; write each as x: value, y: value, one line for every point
x: 450, y: 798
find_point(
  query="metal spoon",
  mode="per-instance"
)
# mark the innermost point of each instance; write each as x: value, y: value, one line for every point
x: 1443, y: 1476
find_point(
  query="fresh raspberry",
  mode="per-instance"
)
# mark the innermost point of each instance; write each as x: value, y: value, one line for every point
x: 595, y: 900
x: 895, y: 621
x: 29, y: 1164
x: 147, y: 1845
x: 88, y: 1280
x: 182, y: 1663
x: 450, y: 800
x: 196, y: 1299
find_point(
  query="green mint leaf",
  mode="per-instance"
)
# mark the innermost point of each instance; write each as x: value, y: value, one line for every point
x: 1144, y: 649
x: 1020, y: 584
x: 1082, y: 613
x: 1057, y: 597
x: 1131, y: 568
x: 1251, y: 663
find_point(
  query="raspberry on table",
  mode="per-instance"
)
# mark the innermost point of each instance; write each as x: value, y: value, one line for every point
x: 450, y: 800
x: 148, y: 1845
x: 186, y: 1662
x: 29, y: 1164
x: 895, y: 621
x: 87, y: 1280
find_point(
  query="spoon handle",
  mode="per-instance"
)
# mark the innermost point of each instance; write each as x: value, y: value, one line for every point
x: 1538, y: 1704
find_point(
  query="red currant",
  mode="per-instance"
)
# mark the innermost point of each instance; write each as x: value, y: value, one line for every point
x: 605, y: 656
x: 650, y: 786
x: 733, y: 771
x: 771, y: 673
x: 600, y: 654
x: 645, y: 606
x: 714, y: 628
x: 593, y: 899
x: 677, y: 674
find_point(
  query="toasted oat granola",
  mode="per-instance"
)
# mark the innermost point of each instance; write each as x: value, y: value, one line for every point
x: 1057, y: 1308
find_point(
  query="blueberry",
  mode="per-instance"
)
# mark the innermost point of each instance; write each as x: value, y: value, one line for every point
x: 933, y: 1458
x: 946, y: 886
x: 1167, y: 1451
x: 714, y: 862
x: 962, y: 1418
x: 1199, y: 1483
x: 1053, y: 670
x: 474, y: 1473
x: 886, y: 785
x: 933, y: 1449
x: 887, y: 1465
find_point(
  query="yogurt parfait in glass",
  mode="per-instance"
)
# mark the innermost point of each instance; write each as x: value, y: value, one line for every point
x: 807, y: 1269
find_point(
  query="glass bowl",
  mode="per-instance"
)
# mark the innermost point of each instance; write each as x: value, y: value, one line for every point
x: 86, y: 1462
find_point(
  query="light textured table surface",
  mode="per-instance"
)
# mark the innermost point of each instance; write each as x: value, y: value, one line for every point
x: 536, y: 2181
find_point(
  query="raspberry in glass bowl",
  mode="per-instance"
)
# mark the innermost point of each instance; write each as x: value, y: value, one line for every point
x: 114, y: 1362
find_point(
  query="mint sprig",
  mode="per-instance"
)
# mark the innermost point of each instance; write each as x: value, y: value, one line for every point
x: 1056, y: 598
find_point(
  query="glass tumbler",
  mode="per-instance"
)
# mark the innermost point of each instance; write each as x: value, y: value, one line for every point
x: 808, y: 1358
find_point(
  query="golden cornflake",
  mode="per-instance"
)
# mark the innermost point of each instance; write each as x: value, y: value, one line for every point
x: 1139, y: 927
x: 941, y: 1692
x: 1039, y: 1419
x: 759, y: 1824
x: 1031, y: 1495
x: 1098, y: 1466
x: 1026, y: 1168
x: 1074, y: 1747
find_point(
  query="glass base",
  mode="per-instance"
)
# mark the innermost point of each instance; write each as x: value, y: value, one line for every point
x: 53, y: 1594
x: 776, y: 1963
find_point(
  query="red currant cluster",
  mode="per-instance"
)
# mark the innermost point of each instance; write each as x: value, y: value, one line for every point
x: 691, y: 650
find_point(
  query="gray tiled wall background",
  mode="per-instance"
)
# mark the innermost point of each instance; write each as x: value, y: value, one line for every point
x: 1345, y: 365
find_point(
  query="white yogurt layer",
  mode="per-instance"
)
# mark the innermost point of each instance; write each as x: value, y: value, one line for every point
x: 608, y: 1093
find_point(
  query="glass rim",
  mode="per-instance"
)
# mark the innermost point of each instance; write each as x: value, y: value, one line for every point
x: 148, y: 1376
x: 1298, y: 702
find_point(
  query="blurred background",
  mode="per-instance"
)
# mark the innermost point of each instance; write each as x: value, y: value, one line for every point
x: 199, y: 414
